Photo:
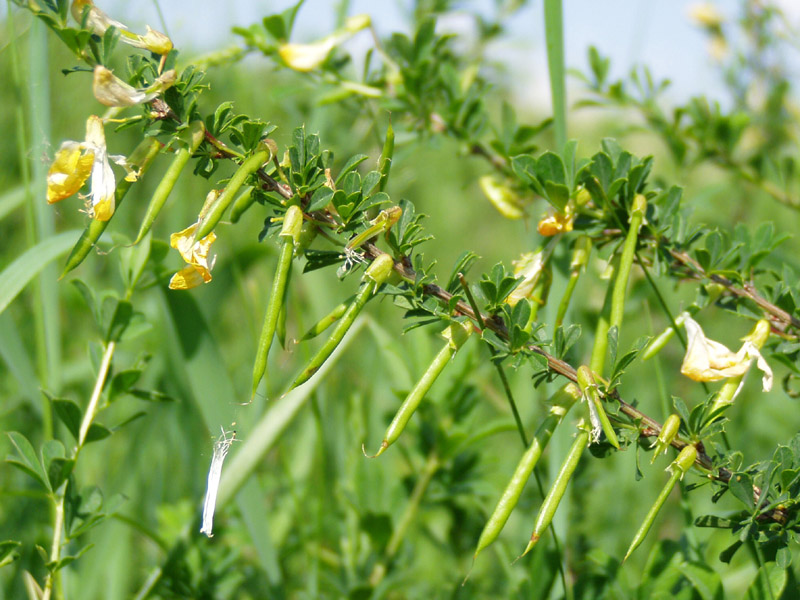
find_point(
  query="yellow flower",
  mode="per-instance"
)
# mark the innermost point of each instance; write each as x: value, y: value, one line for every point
x: 98, y: 22
x: 529, y: 268
x: 705, y: 14
x: 198, y: 269
x: 707, y: 360
x: 307, y: 57
x: 112, y: 91
x: 503, y: 198
x: 553, y: 224
x: 76, y: 161
x: 70, y: 170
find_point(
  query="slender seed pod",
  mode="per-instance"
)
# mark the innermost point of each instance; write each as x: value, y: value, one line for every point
x: 668, y: 432
x: 327, y: 320
x: 244, y: 201
x: 386, y: 157
x: 290, y: 232
x: 679, y: 466
x: 214, y: 214
x: 556, y: 492
x: 192, y: 137
x: 597, y: 413
x: 377, y: 273
x: 560, y: 402
x: 580, y: 256
x: 626, y: 260
x: 456, y: 334
x: 140, y: 159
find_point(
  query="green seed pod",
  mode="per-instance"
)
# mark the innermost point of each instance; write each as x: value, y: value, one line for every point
x: 326, y: 321
x: 140, y: 159
x: 655, y: 346
x: 376, y: 273
x: 556, y: 492
x: 290, y: 231
x: 678, y: 468
x: 597, y: 413
x: 214, y: 214
x: 386, y: 157
x: 560, y: 402
x: 192, y: 137
x: 668, y: 432
x: 244, y: 201
x: 456, y: 334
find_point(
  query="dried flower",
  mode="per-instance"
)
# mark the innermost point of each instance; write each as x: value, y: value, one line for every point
x: 707, y: 360
x: 112, y: 91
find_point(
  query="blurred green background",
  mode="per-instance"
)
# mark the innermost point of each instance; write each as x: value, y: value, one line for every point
x: 315, y: 520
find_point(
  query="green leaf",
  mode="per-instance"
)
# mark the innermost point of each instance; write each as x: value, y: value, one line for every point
x: 769, y: 583
x: 96, y: 433
x: 122, y: 382
x: 705, y: 580
x: 119, y: 322
x: 26, y: 266
x: 70, y: 414
x: 741, y: 486
x: 7, y: 554
x: 27, y: 461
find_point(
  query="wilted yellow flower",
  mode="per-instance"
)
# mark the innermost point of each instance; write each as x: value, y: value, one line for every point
x: 707, y: 360
x: 195, y: 253
x: 503, y: 198
x: 98, y: 22
x: 112, y: 91
x: 153, y: 40
x: 553, y: 224
x: 307, y: 57
x: 705, y: 14
x: 529, y: 268
x: 76, y: 161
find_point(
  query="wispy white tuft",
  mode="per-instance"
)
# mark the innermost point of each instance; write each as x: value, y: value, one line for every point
x: 221, y: 447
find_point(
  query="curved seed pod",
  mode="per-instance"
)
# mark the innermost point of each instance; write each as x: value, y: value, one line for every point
x: 386, y: 157
x: 290, y: 232
x: 668, y: 432
x: 678, y: 468
x: 244, y: 201
x: 214, y: 214
x: 377, y: 273
x: 456, y: 334
x: 192, y: 137
x: 560, y: 402
x: 556, y: 492
x: 140, y: 159
x: 597, y: 413
x: 327, y: 320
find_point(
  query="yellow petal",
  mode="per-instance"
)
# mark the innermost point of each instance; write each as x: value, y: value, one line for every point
x: 306, y: 57
x: 97, y: 21
x: 705, y: 14
x: 70, y: 169
x: 187, y: 278
x: 554, y: 224
x: 707, y: 360
x: 112, y: 91
x: 155, y: 41
x: 529, y: 268
x: 502, y: 197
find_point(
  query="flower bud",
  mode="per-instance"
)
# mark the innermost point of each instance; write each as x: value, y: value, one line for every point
x: 684, y: 461
x: 668, y: 432
x: 380, y: 269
